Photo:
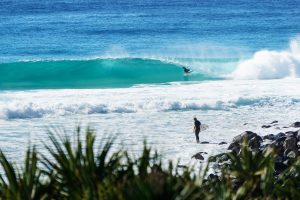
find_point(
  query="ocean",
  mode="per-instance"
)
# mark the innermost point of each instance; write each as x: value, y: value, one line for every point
x: 116, y: 66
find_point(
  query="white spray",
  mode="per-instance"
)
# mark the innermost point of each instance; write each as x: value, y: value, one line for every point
x: 267, y: 64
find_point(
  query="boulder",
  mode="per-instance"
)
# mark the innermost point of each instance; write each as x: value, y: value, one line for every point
x: 266, y: 126
x: 247, y: 135
x: 269, y: 137
x: 198, y: 156
x: 280, y: 139
x: 221, y: 143
x: 291, y: 134
x: 204, y: 142
x: 295, y: 125
x: 234, y: 147
x: 290, y: 143
x: 254, y: 143
x: 278, y: 135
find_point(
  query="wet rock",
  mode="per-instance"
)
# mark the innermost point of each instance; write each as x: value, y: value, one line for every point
x: 203, y: 152
x: 278, y: 135
x: 234, y: 147
x: 295, y: 125
x: 198, y: 156
x: 280, y: 139
x: 266, y: 126
x: 269, y: 137
x: 254, y: 143
x: 204, y: 142
x: 221, y: 143
x: 247, y: 135
x: 291, y: 134
x: 290, y: 143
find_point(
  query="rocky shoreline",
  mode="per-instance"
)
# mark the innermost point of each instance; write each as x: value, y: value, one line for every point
x: 285, y: 147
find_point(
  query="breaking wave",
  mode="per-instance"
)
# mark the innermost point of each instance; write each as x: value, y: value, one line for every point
x: 267, y: 64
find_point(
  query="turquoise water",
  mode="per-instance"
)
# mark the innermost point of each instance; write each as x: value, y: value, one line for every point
x: 148, y: 40
x: 97, y: 73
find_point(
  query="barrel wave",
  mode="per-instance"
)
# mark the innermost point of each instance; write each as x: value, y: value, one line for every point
x: 95, y: 73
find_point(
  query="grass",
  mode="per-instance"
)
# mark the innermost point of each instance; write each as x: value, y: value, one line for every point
x: 81, y: 170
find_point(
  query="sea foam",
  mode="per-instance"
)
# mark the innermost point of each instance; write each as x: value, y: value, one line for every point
x: 266, y: 64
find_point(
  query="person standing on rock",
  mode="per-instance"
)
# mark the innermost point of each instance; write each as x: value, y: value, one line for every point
x: 197, y: 125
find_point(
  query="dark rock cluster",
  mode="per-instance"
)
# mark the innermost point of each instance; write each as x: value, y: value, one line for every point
x: 285, y: 145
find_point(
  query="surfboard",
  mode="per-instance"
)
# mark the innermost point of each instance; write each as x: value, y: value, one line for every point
x: 203, y: 127
x: 187, y: 74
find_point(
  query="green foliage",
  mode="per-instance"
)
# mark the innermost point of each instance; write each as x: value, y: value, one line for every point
x: 78, y: 169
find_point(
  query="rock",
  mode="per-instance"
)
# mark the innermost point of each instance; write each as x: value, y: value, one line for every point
x: 269, y: 137
x: 295, y: 125
x: 245, y: 124
x: 291, y: 134
x: 278, y: 135
x: 254, y: 143
x: 203, y: 152
x: 234, y: 147
x: 281, y: 139
x: 290, y: 143
x: 204, y: 142
x: 266, y: 126
x: 247, y: 135
x: 221, y: 143
x: 198, y: 156
x: 277, y: 147
x: 274, y: 122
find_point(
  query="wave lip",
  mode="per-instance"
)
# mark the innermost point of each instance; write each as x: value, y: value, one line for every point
x: 267, y: 64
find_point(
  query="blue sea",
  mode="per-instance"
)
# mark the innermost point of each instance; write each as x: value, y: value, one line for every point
x: 117, y: 66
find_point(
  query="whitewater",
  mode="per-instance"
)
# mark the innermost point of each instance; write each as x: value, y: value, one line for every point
x: 157, y: 107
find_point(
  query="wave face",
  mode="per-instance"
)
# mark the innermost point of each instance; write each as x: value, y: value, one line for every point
x: 96, y: 73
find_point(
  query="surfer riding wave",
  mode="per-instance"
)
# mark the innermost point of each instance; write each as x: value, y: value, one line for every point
x: 186, y: 70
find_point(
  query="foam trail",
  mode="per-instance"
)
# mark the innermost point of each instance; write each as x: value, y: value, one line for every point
x: 267, y: 64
